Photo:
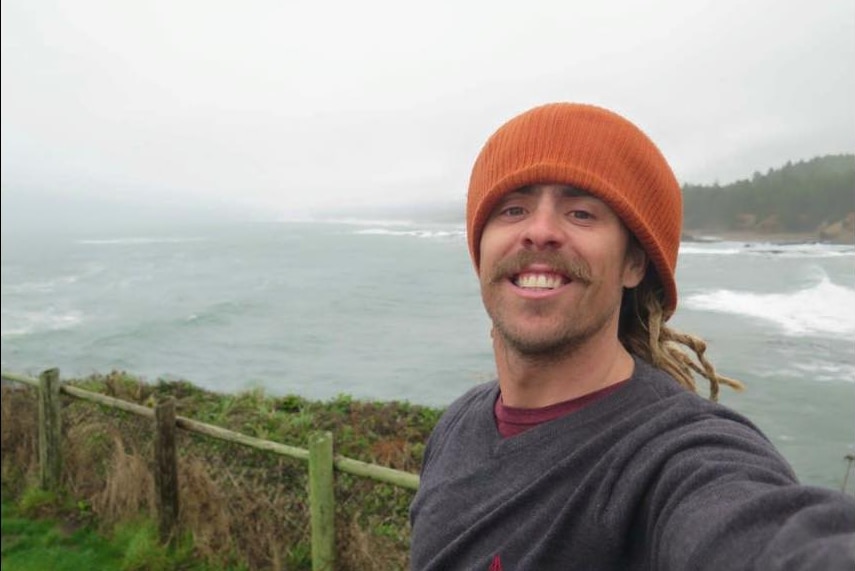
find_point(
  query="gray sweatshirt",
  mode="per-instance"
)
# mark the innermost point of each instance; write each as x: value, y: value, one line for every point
x: 651, y: 476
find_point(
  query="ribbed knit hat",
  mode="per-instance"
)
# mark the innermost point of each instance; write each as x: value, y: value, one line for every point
x: 594, y: 150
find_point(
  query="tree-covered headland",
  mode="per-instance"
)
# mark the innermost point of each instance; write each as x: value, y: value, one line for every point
x: 813, y: 199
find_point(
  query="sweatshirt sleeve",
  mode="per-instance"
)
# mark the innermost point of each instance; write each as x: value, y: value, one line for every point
x: 726, y: 499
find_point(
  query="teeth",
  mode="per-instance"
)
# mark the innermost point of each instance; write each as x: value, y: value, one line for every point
x: 538, y: 281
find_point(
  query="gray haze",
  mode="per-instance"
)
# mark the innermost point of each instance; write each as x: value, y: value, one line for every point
x: 284, y: 109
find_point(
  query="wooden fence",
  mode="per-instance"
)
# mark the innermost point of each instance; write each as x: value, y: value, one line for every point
x: 320, y: 456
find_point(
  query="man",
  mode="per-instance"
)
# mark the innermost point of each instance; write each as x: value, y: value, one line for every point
x: 593, y: 450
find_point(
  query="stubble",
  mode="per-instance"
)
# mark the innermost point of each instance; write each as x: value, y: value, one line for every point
x: 561, y: 334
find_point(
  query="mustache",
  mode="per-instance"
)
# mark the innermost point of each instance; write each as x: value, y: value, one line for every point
x: 575, y: 269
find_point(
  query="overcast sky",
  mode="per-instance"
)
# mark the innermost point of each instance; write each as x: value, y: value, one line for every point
x: 290, y: 106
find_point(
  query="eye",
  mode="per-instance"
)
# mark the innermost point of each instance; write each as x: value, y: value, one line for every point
x: 581, y: 215
x: 512, y: 211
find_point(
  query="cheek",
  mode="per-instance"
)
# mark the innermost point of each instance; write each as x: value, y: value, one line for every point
x: 487, y: 250
x: 483, y: 273
x: 485, y: 262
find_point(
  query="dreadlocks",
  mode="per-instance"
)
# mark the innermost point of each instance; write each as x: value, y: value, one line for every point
x: 643, y: 332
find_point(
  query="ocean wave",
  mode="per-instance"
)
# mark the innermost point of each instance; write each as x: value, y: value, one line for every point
x: 686, y: 249
x: 824, y: 371
x: 219, y: 313
x: 45, y: 286
x: 823, y: 308
x: 137, y: 241
x: 812, y: 370
x: 416, y: 233
x: 21, y: 323
x: 816, y: 250
x: 350, y: 221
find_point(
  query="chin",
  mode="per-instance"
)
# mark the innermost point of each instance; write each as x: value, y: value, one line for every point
x: 538, y: 344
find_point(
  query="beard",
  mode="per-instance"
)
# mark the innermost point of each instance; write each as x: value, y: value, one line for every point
x: 549, y: 343
x: 559, y: 331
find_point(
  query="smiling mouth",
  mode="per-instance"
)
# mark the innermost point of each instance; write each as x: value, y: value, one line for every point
x: 539, y: 280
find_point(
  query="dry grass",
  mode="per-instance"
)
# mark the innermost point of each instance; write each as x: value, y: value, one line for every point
x: 242, y: 506
x: 19, y: 437
x: 128, y: 486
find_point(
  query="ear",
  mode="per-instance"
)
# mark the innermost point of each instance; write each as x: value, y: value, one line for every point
x: 634, y: 264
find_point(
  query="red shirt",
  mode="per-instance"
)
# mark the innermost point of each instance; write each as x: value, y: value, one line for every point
x: 512, y: 421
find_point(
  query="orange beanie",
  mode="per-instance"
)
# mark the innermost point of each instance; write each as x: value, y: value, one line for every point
x: 594, y: 150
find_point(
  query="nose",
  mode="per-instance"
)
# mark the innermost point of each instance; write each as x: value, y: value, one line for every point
x: 543, y: 230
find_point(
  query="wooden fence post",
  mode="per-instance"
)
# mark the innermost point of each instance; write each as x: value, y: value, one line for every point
x: 321, y: 501
x: 50, y: 430
x: 166, y: 469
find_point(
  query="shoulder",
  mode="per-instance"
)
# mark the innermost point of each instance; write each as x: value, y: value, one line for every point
x: 476, y: 401
x: 670, y: 398
x: 658, y: 382
x: 477, y: 394
x: 478, y: 398
x: 679, y: 427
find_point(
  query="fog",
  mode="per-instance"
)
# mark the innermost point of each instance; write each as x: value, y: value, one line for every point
x: 284, y: 110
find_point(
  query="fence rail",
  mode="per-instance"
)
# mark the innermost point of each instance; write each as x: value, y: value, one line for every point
x: 319, y: 455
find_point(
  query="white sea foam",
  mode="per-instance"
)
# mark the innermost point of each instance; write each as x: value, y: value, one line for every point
x: 800, y: 250
x: 422, y: 233
x: 17, y: 324
x: 137, y: 241
x: 709, y: 250
x: 812, y: 369
x: 766, y: 249
x: 350, y: 221
x: 823, y: 308
x: 44, y: 286
x: 824, y: 371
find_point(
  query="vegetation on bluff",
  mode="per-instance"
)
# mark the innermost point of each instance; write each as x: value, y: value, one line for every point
x: 815, y: 197
x: 240, y: 507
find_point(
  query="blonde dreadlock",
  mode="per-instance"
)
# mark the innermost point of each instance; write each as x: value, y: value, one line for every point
x: 644, y: 333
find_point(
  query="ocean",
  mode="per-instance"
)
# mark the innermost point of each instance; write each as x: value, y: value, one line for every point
x: 391, y: 310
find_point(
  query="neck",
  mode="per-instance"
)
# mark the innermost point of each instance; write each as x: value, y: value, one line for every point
x: 538, y: 381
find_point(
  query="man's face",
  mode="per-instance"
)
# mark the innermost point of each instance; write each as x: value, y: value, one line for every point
x: 554, y: 262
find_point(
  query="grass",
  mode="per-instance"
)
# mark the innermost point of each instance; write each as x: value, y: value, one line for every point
x: 242, y: 508
x: 57, y: 543
x: 43, y: 532
x: 30, y: 544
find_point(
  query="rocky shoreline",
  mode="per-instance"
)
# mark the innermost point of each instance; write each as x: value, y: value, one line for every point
x: 766, y: 237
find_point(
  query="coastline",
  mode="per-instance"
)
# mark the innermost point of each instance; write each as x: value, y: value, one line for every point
x: 697, y: 235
